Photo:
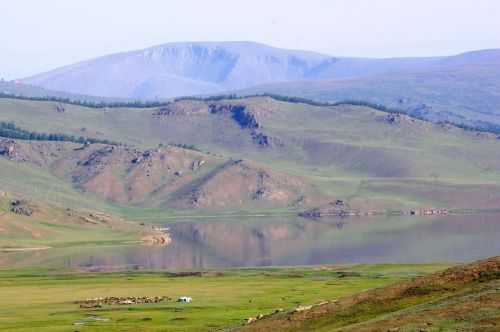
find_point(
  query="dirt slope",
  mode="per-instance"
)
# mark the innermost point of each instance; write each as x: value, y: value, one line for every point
x: 242, y: 183
x: 165, y: 177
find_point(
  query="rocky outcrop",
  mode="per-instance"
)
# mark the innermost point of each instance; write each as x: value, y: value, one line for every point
x: 7, y: 148
x: 393, y: 118
x: 21, y: 207
x: 247, y: 118
x: 60, y: 108
x: 239, y: 113
x: 197, y: 164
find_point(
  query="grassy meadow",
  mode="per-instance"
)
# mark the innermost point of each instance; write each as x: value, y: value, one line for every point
x: 42, y: 300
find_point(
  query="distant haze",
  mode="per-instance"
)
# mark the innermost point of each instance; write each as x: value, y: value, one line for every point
x: 41, y: 35
x: 181, y: 69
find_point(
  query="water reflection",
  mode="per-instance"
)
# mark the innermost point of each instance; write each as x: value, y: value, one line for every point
x: 236, y: 243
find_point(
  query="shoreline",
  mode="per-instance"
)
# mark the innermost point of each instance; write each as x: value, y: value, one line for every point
x: 24, y: 249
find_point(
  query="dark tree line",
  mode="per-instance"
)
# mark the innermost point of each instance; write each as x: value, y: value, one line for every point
x: 377, y: 106
x: 186, y: 146
x: 160, y: 103
x: 89, y: 103
x: 296, y: 100
x: 10, y: 130
x: 479, y: 126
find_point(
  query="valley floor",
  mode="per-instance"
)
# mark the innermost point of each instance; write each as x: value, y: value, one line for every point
x: 35, y: 300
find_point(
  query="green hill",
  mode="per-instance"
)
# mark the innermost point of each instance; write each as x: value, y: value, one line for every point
x: 295, y: 155
x: 465, y: 94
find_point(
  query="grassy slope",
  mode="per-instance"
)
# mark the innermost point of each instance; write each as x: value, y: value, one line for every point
x: 459, y: 299
x: 53, y: 226
x: 464, y: 94
x: 349, y: 152
x: 124, y: 125
x: 352, y: 152
x: 43, y: 301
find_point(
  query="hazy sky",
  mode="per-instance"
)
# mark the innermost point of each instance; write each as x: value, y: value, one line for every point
x: 38, y: 35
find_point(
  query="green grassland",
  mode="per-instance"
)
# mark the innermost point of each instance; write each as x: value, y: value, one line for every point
x: 41, y: 300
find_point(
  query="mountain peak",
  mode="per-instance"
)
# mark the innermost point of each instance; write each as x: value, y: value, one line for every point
x: 197, y: 68
x: 182, y: 68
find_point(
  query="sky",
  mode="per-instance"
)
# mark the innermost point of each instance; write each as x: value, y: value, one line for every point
x: 37, y: 36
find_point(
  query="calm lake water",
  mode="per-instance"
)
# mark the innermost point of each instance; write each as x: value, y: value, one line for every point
x: 281, y: 242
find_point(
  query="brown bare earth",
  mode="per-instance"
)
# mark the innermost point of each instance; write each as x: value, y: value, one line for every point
x: 240, y: 183
x: 166, y: 177
x: 464, y: 298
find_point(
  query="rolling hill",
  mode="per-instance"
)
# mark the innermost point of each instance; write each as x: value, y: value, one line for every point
x: 252, y: 154
x: 460, y: 92
x: 163, y: 177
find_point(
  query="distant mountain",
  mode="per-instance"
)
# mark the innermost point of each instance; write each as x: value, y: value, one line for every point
x: 17, y: 88
x: 179, y: 69
x: 183, y: 69
x: 460, y: 89
x: 463, y: 88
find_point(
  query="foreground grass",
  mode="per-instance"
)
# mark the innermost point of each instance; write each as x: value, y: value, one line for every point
x: 461, y: 298
x: 44, y: 301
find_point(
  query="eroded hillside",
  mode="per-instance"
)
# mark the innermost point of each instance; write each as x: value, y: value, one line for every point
x: 164, y: 177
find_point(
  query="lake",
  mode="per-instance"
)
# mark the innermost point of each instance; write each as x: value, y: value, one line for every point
x: 289, y: 242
